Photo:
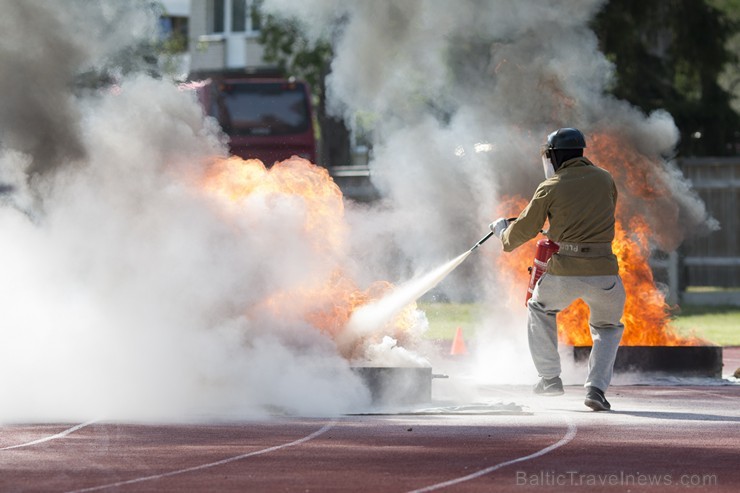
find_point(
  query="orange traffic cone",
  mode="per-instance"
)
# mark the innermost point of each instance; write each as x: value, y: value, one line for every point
x: 458, y: 345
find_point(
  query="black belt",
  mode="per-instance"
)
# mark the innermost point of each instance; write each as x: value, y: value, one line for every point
x: 584, y: 249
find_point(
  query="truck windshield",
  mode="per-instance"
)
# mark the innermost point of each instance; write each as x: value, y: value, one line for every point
x: 262, y: 108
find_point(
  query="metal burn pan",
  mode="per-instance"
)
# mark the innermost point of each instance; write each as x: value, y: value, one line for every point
x: 679, y: 361
x: 390, y: 386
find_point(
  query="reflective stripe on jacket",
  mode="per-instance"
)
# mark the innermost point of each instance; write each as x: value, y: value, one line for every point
x: 579, y: 202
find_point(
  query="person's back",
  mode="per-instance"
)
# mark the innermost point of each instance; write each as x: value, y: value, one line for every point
x: 579, y: 201
x: 584, y: 203
x: 582, y: 210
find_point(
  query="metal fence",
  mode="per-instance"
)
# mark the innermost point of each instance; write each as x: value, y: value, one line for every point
x: 712, y: 260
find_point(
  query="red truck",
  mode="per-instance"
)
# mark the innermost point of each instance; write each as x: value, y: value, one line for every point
x: 269, y: 118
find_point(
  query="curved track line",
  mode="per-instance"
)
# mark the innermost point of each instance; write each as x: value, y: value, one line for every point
x: 52, y: 437
x: 305, y: 439
x: 569, y: 435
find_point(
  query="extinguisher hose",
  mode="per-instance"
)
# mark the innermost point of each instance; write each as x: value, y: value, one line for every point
x: 483, y: 240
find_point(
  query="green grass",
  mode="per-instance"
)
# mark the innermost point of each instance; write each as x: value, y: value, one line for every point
x: 444, y: 318
x: 717, y: 324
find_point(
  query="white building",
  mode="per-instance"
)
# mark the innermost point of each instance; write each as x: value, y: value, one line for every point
x: 223, y: 34
x: 179, y: 8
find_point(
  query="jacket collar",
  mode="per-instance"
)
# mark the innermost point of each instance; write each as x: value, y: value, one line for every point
x: 575, y: 163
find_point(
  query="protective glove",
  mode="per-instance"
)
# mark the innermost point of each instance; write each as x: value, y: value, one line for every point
x: 499, y: 226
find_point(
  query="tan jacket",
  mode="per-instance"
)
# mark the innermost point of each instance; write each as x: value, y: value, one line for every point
x: 579, y: 202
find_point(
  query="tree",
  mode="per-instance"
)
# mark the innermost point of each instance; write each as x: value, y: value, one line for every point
x: 670, y: 54
x: 730, y: 78
x: 290, y: 49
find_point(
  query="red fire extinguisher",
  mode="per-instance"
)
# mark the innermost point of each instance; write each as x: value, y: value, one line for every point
x: 545, y: 249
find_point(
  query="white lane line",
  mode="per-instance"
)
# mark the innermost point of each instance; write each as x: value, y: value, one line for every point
x: 305, y: 439
x: 52, y: 437
x: 569, y: 435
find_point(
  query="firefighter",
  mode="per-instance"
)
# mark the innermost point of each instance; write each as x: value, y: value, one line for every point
x: 578, y: 199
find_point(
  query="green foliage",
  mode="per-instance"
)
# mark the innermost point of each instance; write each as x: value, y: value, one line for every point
x: 287, y: 46
x: 730, y: 8
x: 670, y: 54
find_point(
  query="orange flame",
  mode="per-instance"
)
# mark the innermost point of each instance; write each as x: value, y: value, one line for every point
x: 236, y: 179
x: 324, y: 303
x: 513, y: 266
x: 646, y: 314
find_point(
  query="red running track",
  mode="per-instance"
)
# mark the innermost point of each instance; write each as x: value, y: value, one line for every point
x: 678, y: 438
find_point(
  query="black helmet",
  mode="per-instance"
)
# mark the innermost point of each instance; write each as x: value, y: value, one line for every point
x: 566, y: 138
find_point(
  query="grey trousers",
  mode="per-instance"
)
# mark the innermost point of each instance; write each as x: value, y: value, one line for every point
x: 605, y: 297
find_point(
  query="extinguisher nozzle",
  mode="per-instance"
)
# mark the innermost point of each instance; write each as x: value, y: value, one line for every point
x: 481, y: 241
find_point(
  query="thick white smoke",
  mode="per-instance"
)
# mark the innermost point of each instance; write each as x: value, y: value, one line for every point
x: 463, y: 94
x: 441, y: 79
x: 44, y: 48
x: 128, y: 291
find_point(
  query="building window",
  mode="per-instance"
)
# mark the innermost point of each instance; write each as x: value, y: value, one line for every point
x: 219, y: 15
x: 255, y: 22
x: 239, y: 16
